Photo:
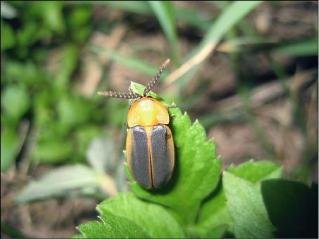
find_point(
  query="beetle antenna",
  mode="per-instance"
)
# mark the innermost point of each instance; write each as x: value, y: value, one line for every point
x: 156, y: 78
x: 114, y: 94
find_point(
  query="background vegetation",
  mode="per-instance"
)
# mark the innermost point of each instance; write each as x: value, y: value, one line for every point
x: 248, y: 73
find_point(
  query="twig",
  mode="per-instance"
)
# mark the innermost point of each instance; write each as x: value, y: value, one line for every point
x: 195, y: 60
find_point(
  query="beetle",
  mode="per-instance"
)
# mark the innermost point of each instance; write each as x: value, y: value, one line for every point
x: 149, y: 146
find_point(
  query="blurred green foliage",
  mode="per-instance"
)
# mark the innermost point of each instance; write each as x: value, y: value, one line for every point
x: 64, y: 122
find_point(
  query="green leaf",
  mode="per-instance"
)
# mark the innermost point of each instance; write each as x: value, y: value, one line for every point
x: 53, y: 150
x: 256, y: 171
x: 210, y: 232
x: 72, y: 111
x: 59, y: 182
x: 246, y: 208
x: 196, y: 173
x: 8, y: 38
x: 79, y: 17
x: 139, y: 89
x: 154, y: 219
x: 15, y: 101
x: 51, y: 13
x: 165, y: 14
x: 214, y: 212
x: 292, y: 208
x: 127, y: 216
x: 27, y: 73
x: 9, y: 147
x: 27, y: 35
x: 44, y: 111
x: 66, y: 65
x: 78, y: 22
x: 112, y: 227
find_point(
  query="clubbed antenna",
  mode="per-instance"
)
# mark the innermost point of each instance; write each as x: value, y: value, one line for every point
x: 114, y: 94
x: 156, y: 78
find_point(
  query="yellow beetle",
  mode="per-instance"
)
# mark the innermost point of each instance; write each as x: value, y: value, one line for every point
x: 149, y: 140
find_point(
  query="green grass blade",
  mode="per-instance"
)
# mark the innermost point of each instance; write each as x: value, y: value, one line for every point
x: 188, y: 16
x: 303, y: 48
x: 165, y: 13
x: 232, y: 15
x: 131, y: 62
x: 229, y: 18
x: 138, y: 7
